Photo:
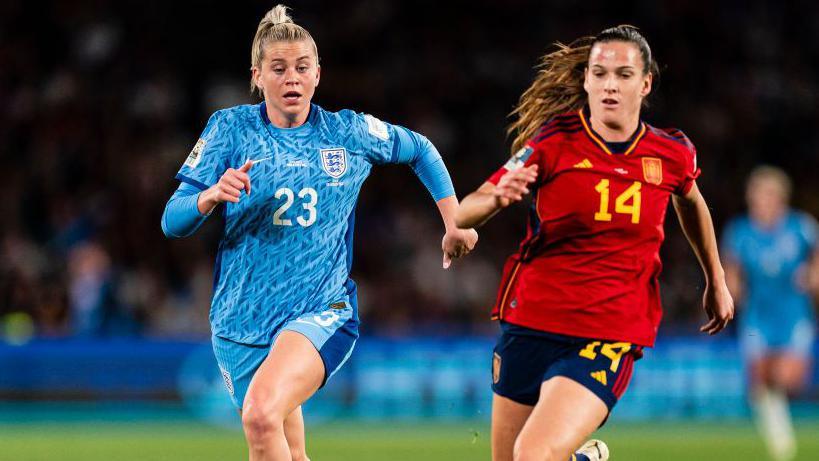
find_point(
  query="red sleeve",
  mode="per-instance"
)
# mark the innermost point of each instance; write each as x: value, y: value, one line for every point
x: 528, y: 155
x: 691, y: 172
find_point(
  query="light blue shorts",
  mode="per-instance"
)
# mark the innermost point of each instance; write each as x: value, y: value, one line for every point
x: 333, y: 332
x: 756, y: 343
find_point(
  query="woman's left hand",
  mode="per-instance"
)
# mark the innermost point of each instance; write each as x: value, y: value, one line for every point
x: 719, y: 305
x: 457, y: 243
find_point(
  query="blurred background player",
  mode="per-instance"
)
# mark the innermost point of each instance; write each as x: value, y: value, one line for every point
x: 770, y: 259
x: 580, y: 299
x: 284, y: 311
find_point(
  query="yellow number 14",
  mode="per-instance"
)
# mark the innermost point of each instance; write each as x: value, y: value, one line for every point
x: 620, y: 205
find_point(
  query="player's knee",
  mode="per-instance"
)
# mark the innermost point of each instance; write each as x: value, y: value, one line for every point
x: 260, y: 423
x: 792, y: 384
x: 524, y: 451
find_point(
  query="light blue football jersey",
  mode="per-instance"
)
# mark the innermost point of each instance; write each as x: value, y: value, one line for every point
x: 770, y: 258
x: 287, y: 247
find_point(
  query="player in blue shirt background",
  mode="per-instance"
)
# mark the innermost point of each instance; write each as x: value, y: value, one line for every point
x: 770, y: 264
x: 284, y: 315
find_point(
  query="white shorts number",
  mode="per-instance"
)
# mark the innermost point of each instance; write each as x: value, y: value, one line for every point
x: 326, y: 318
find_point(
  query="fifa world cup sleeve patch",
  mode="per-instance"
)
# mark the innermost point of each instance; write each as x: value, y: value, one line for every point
x: 519, y: 159
x: 196, y: 154
x: 377, y: 128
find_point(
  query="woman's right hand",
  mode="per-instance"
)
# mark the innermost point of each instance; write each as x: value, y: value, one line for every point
x: 513, y: 186
x: 228, y: 189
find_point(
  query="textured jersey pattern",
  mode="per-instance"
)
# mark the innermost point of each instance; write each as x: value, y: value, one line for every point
x: 287, y: 247
x: 589, y: 264
x: 770, y: 261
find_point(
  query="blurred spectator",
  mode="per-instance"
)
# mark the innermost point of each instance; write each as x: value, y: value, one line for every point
x: 101, y: 103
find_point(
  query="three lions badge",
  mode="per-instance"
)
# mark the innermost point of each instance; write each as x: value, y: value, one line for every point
x: 334, y: 161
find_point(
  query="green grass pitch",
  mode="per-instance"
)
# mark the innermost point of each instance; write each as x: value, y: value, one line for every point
x: 179, y: 441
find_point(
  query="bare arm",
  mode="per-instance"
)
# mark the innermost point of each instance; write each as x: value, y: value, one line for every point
x: 698, y: 227
x: 479, y: 206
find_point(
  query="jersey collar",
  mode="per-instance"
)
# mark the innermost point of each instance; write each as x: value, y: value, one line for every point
x: 597, y: 139
x: 311, y: 119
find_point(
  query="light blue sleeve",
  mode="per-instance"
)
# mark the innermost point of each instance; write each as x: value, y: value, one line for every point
x: 730, y: 241
x: 386, y: 143
x: 206, y: 162
x: 417, y: 151
x: 181, y: 217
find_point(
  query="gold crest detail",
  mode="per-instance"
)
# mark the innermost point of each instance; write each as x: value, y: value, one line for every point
x: 653, y: 170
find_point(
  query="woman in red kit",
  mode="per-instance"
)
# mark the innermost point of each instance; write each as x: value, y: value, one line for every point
x: 580, y: 299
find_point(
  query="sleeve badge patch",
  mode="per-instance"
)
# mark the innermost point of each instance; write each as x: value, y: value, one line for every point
x: 196, y: 154
x: 519, y: 159
x: 377, y: 128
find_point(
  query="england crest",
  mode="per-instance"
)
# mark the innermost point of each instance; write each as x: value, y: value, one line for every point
x: 334, y: 161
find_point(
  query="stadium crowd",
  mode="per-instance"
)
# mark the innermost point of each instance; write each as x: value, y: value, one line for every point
x: 101, y: 102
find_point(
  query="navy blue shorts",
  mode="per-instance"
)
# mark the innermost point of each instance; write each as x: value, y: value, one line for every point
x: 524, y: 358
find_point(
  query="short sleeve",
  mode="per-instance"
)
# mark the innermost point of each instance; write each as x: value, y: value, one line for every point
x: 691, y: 171
x: 527, y: 155
x: 206, y: 161
x: 376, y: 138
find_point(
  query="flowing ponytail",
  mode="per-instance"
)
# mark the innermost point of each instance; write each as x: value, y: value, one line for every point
x: 558, y: 86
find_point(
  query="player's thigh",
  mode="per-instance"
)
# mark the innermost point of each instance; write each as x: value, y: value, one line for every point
x: 333, y: 332
x: 757, y: 355
x: 794, y: 362
x: 508, y: 418
x: 565, y: 415
x: 519, y: 363
x: 292, y: 372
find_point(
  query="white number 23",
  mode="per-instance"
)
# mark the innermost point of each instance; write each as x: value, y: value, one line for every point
x: 309, y: 205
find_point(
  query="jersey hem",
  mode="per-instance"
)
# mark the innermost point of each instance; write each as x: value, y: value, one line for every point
x: 586, y: 334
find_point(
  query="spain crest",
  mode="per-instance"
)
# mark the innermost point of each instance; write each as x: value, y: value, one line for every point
x: 334, y: 161
x: 653, y: 170
x: 496, y: 365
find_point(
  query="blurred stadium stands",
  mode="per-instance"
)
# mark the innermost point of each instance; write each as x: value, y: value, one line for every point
x: 407, y: 379
x: 100, y: 102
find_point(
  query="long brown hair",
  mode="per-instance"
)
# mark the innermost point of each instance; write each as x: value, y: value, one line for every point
x: 558, y: 86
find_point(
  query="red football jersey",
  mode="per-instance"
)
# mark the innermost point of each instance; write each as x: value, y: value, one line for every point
x: 590, y: 262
